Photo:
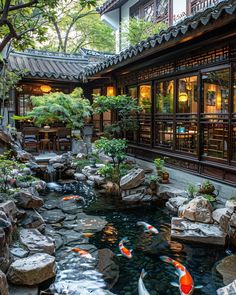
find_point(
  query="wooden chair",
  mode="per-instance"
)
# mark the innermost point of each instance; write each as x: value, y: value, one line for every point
x: 30, y: 138
x: 63, y: 138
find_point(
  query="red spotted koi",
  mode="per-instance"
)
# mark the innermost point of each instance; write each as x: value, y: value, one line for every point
x: 148, y: 227
x: 82, y: 253
x: 76, y: 198
x: 186, y: 283
x: 123, y: 250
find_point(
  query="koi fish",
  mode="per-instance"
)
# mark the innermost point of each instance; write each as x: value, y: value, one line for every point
x: 141, y: 288
x: 186, y: 283
x: 148, y: 227
x: 123, y: 250
x: 76, y: 198
x: 88, y: 235
x: 82, y: 253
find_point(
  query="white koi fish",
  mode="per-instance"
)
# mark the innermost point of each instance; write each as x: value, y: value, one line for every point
x: 148, y: 227
x: 123, y: 250
x: 141, y: 288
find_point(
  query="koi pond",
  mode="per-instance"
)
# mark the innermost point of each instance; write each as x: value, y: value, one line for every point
x: 77, y: 275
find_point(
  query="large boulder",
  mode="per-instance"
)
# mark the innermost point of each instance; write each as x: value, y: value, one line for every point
x: 228, y: 290
x: 133, y: 179
x: 33, y: 219
x: 27, y: 200
x: 23, y: 290
x: 173, y: 204
x: 3, y: 284
x: 35, y: 242
x: 227, y: 268
x: 231, y: 204
x: 10, y: 209
x: 199, y: 209
x: 222, y: 217
x: 32, y: 270
x: 186, y: 230
x: 108, y: 266
x: 53, y: 216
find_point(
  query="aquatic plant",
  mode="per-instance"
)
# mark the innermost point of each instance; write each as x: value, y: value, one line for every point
x: 191, y: 190
x: 209, y: 198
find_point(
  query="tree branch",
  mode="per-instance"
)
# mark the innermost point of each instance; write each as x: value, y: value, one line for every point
x: 20, y: 6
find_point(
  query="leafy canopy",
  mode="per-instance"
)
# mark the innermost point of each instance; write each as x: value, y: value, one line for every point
x: 70, y: 109
x: 136, y: 30
x: 24, y: 22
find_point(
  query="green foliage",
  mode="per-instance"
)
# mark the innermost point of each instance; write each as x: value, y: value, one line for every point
x: 151, y: 178
x: 26, y: 178
x: 233, y: 198
x: 70, y: 109
x: 137, y: 30
x: 25, y: 23
x: 74, y: 26
x: 124, y: 106
x: 209, y: 198
x: 7, y: 167
x: 113, y: 173
x: 114, y: 148
x: 80, y: 164
x: 159, y: 164
x: 191, y: 190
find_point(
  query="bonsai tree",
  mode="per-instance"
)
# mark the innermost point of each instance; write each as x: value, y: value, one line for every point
x: 124, y: 106
x: 114, y: 148
x: 71, y: 109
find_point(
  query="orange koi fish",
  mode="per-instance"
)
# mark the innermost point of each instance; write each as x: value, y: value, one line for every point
x: 76, y: 198
x: 123, y: 250
x: 186, y: 283
x: 82, y: 253
x: 148, y: 227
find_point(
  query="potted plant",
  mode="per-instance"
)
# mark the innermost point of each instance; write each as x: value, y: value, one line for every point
x: 207, y: 188
x: 165, y: 177
x: 159, y: 164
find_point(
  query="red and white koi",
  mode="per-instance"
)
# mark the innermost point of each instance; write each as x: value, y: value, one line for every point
x: 123, y: 250
x: 141, y: 287
x: 75, y: 198
x: 186, y: 283
x: 82, y: 253
x: 148, y: 227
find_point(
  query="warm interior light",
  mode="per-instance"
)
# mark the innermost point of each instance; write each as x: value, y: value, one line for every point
x: 45, y: 88
x: 183, y: 97
x: 110, y: 91
x: 145, y: 91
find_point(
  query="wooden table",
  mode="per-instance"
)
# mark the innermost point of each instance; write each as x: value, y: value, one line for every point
x: 45, y: 142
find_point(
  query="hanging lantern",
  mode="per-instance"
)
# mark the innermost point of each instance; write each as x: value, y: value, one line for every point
x: 183, y: 97
x: 45, y: 88
x: 110, y: 91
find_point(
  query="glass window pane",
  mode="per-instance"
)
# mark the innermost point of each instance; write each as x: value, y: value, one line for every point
x: 132, y: 91
x: 165, y: 97
x: 216, y: 91
x: 145, y: 98
x: 187, y: 95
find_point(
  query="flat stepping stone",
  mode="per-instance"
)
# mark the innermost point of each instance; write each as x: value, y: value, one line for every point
x: 51, y: 204
x: 32, y: 270
x: 53, y: 216
x: 35, y: 242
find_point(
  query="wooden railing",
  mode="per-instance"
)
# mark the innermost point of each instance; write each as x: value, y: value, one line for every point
x: 195, y: 6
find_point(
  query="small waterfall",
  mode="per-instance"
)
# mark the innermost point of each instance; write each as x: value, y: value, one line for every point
x: 51, y: 173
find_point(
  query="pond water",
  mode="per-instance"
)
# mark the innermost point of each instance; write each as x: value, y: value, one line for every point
x: 199, y: 260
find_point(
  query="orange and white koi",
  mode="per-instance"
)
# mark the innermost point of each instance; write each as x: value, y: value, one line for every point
x: 141, y: 287
x: 82, y: 253
x: 186, y: 283
x: 76, y: 198
x: 148, y: 227
x: 123, y: 250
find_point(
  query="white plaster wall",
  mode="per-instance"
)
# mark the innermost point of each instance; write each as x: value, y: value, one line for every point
x: 125, y: 9
x: 179, y: 7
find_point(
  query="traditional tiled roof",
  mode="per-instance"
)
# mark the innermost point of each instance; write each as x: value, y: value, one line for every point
x: 109, y: 5
x: 189, y: 24
x: 53, y: 65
